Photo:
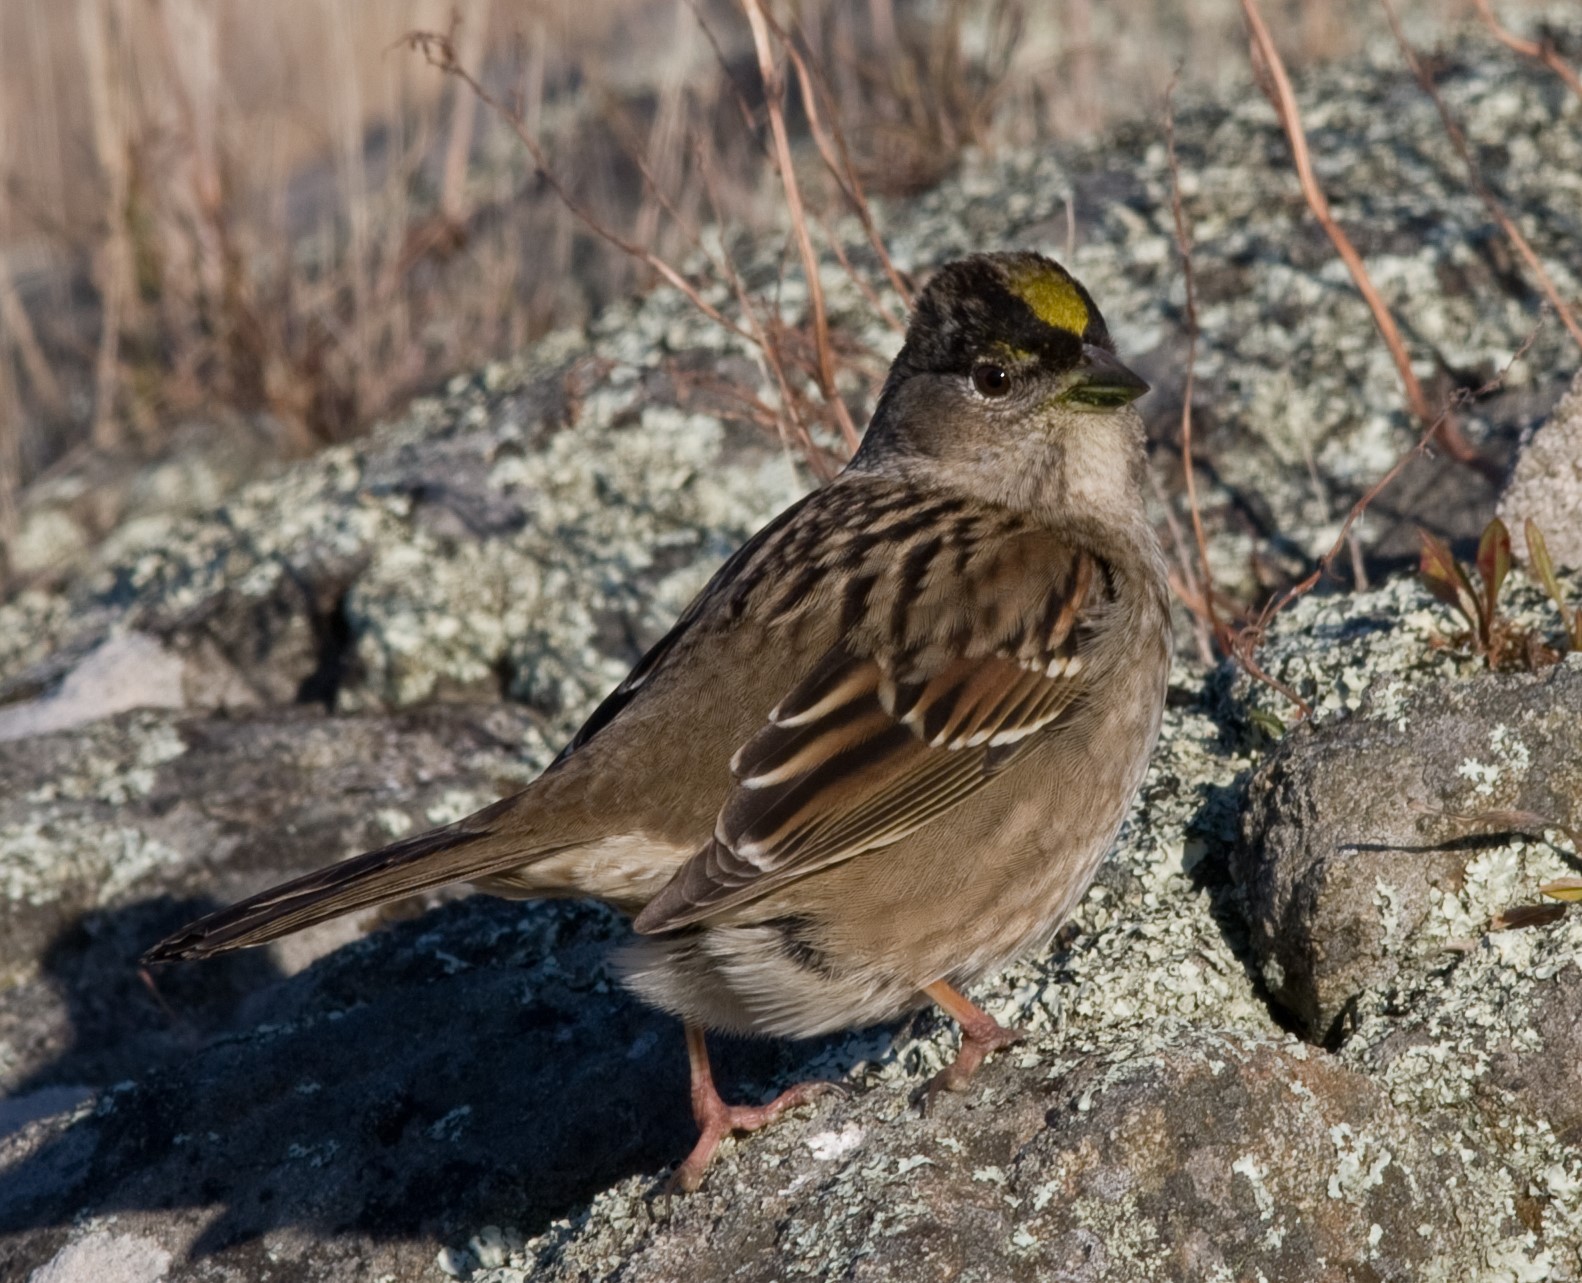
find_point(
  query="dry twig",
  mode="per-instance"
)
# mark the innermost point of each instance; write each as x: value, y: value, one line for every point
x: 438, y: 48
x: 1458, y: 140
x: 1543, y: 52
x: 1250, y: 636
x: 774, y: 96
x: 16, y: 331
x: 1276, y: 85
x: 112, y: 258
x: 1184, y: 582
x: 833, y: 150
x: 1183, y: 236
x: 780, y: 348
x: 840, y: 165
x: 766, y: 339
x: 453, y: 205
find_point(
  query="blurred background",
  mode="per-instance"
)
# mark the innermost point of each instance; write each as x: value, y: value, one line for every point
x: 231, y: 233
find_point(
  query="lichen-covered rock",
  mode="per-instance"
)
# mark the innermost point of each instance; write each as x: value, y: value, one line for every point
x: 116, y: 833
x: 347, y: 1120
x: 1515, y: 1005
x: 1486, y: 1047
x: 471, y: 1092
x: 1210, y: 1157
x: 574, y: 499
x: 460, y: 555
x: 1377, y: 842
x: 243, y: 1123
x: 1546, y: 482
x: 101, y: 506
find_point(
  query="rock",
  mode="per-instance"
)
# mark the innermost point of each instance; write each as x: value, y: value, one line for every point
x: 349, y: 1119
x: 1213, y: 1157
x: 97, y: 507
x: 114, y: 834
x: 478, y: 1069
x: 1546, y: 482
x: 1374, y: 843
x: 1515, y: 1003
x: 47, y: 538
x: 127, y: 671
x: 128, y: 1258
x: 356, y: 1110
x: 460, y: 556
x: 1490, y: 1040
x: 394, y: 632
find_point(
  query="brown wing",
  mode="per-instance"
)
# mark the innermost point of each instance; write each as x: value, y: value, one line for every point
x: 956, y: 659
x: 484, y: 842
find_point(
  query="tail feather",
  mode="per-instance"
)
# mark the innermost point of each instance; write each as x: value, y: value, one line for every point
x: 471, y: 848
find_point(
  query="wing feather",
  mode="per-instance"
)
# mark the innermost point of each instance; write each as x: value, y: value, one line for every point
x: 899, y: 721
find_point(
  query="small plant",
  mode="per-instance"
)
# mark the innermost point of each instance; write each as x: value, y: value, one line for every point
x: 1501, y: 642
x: 1538, y: 558
x: 1445, y: 577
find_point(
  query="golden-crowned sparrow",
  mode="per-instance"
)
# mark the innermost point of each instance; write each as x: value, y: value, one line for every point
x: 885, y: 749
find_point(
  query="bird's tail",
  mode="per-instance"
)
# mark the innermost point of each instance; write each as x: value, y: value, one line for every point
x: 470, y: 848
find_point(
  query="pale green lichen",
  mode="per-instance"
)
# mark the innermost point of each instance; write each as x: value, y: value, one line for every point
x: 44, y: 858
x: 145, y: 742
x: 631, y: 492
x: 1440, y: 1060
x: 1360, y: 1162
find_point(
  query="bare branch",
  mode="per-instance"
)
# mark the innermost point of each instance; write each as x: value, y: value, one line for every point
x: 774, y: 95
x: 1276, y: 84
x: 441, y: 53
x: 841, y: 167
x: 1544, y: 52
x: 1183, y: 236
x: 1458, y: 139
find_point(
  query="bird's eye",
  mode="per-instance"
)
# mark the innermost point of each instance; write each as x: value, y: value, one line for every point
x: 991, y: 380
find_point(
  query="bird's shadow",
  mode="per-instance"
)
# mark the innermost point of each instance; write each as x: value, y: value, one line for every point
x: 1215, y: 827
x: 476, y: 1065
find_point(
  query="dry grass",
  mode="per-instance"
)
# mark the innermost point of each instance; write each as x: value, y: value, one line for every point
x: 278, y: 213
x: 274, y: 209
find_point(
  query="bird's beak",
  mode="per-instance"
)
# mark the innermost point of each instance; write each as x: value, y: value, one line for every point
x: 1101, y: 381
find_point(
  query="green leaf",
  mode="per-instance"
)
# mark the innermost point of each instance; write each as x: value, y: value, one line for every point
x: 1267, y: 722
x: 1563, y: 889
x: 1443, y: 576
x: 1538, y: 554
x: 1494, y: 563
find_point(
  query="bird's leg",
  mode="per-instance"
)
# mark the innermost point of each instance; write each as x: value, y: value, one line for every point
x: 717, y: 1120
x: 981, y: 1033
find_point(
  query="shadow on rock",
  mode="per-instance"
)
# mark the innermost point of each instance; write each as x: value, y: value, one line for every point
x: 478, y: 1064
x: 1214, y: 829
x: 120, y: 1022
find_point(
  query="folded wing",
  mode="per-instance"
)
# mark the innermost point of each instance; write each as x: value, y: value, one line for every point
x: 952, y: 665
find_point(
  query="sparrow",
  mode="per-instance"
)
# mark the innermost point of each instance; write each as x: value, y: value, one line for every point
x: 884, y: 750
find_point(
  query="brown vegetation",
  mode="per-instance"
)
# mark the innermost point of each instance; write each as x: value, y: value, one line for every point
x: 283, y: 213
x: 275, y: 210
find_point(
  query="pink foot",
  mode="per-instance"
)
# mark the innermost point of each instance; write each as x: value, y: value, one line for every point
x: 717, y: 1120
x: 981, y: 1034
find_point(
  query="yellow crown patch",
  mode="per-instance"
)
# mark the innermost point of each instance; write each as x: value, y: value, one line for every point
x: 1054, y: 299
